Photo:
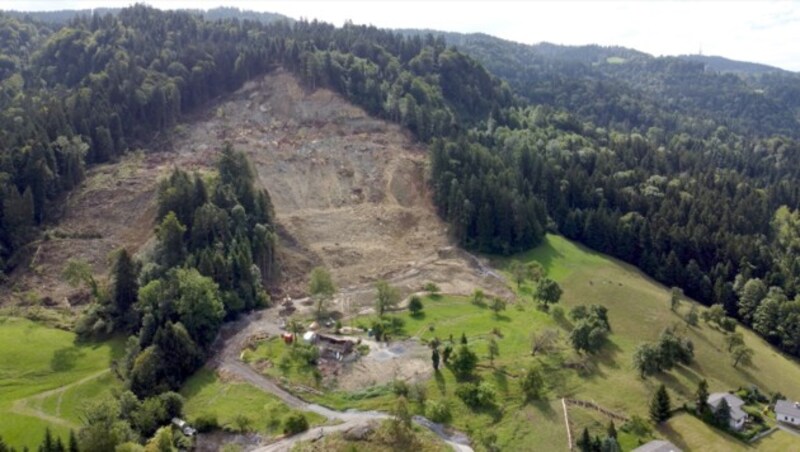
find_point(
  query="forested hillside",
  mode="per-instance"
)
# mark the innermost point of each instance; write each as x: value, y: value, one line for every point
x: 630, y: 90
x: 678, y: 170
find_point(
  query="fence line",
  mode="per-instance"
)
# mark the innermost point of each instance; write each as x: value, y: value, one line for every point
x: 596, y: 407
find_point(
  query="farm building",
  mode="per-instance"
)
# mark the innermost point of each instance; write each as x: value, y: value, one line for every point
x: 788, y: 412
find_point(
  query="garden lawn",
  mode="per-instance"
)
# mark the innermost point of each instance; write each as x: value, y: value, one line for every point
x: 778, y: 441
x: 690, y: 433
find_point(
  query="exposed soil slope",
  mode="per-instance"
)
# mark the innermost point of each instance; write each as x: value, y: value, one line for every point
x: 349, y: 192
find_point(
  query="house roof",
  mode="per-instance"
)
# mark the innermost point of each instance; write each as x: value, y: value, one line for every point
x: 658, y: 446
x: 735, y: 404
x: 732, y: 400
x: 787, y: 408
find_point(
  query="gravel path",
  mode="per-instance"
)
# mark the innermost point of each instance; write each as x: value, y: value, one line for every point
x: 228, y: 347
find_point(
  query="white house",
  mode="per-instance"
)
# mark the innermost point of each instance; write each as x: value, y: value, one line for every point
x: 738, y: 416
x: 788, y: 412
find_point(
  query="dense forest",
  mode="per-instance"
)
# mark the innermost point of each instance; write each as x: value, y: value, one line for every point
x: 633, y: 91
x: 690, y: 174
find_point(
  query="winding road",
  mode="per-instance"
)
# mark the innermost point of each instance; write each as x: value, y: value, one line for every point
x: 228, y: 347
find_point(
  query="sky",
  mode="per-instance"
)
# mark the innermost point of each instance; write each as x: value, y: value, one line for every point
x: 762, y: 32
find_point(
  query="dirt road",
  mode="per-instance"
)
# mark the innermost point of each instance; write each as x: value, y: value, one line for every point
x: 228, y: 347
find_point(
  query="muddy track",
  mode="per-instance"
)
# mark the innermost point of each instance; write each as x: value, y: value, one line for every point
x: 226, y: 360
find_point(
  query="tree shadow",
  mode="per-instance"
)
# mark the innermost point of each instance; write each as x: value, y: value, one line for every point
x: 501, y: 380
x: 502, y: 318
x: 440, y: 382
x: 418, y: 316
x: 672, y: 382
x: 65, y: 358
x: 544, y: 407
x: 608, y: 354
x: 201, y: 379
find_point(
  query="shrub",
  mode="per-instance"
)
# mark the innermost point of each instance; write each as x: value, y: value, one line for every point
x: 463, y: 362
x: 294, y: 424
x: 415, y: 305
x: 206, y: 423
x: 637, y: 426
x: 728, y: 324
x: 476, y: 395
x: 431, y: 287
x: 438, y: 411
x: 400, y: 388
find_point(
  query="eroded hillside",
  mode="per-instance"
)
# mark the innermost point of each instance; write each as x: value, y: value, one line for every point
x: 349, y: 193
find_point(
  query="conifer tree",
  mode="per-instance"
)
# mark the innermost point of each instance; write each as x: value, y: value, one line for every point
x: 660, y: 405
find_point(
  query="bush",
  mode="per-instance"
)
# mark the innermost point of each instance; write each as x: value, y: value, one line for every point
x: 476, y: 395
x: 294, y: 424
x: 415, y: 305
x: 431, y: 287
x: 400, y: 388
x: 637, y: 426
x: 206, y: 423
x: 438, y: 411
x: 728, y: 324
x: 463, y: 362
x: 754, y: 414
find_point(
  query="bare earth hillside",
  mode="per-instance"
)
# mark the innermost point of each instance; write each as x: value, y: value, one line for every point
x: 349, y: 192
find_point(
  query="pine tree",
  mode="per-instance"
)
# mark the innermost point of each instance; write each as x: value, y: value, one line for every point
x: 660, y: 405
x: 435, y: 359
x: 48, y: 445
x: 701, y: 397
x: 612, y: 430
x: 73, y: 442
x: 585, y: 442
x: 722, y: 414
x: 125, y: 285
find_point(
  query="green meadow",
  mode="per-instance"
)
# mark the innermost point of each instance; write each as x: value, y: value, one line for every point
x: 638, y: 311
x: 45, y: 379
x: 206, y: 394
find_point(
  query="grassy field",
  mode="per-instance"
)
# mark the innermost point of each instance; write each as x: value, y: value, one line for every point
x: 638, y: 311
x: 778, y: 441
x: 690, y: 433
x: 36, y: 363
x: 206, y: 394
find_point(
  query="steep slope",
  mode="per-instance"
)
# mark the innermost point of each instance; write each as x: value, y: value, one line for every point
x: 349, y: 192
